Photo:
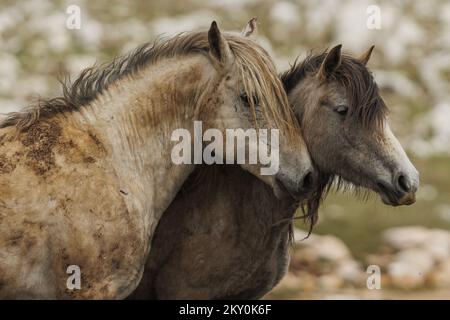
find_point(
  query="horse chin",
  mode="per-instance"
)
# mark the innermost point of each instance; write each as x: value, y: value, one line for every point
x: 405, y: 201
x: 283, y: 194
x: 391, y: 198
x: 387, y: 201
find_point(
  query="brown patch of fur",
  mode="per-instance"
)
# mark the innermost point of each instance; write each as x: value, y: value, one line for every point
x: 97, y: 142
x: 40, y: 139
x: 15, y: 238
x: 6, y: 166
x: 85, y: 148
x: 89, y: 159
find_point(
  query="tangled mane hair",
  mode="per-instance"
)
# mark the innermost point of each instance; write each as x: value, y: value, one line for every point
x: 366, y: 107
x: 257, y: 74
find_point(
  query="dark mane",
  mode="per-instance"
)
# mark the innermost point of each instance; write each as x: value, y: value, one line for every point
x: 366, y: 107
x: 365, y: 104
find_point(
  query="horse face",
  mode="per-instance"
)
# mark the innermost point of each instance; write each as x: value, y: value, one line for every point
x: 250, y: 100
x: 338, y: 136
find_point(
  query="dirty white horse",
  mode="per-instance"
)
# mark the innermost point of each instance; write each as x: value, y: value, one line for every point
x: 85, y: 178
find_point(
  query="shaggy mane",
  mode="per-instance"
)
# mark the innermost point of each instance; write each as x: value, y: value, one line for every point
x: 257, y: 73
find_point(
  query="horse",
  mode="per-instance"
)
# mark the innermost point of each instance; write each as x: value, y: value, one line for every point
x: 234, y: 244
x: 85, y: 178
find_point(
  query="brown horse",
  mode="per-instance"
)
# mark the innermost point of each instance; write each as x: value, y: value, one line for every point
x: 85, y: 178
x: 227, y: 236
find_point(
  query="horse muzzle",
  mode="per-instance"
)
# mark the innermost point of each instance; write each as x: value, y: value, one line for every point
x: 402, y: 190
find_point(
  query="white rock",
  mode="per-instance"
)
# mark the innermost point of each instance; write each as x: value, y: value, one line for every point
x: 325, y: 247
x: 350, y: 270
x: 330, y: 282
x: 438, y: 244
x: 405, y: 276
x: 418, y: 258
x: 441, y: 276
x: 405, y: 237
x: 410, y: 268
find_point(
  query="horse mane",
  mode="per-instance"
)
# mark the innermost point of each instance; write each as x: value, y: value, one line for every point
x: 366, y: 107
x: 254, y: 64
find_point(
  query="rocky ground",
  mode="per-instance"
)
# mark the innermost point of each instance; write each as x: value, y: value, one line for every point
x: 414, y: 262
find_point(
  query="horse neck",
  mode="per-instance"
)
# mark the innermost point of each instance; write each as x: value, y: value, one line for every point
x: 136, y: 117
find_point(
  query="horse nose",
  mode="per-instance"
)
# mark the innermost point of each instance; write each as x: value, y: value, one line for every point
x: 298, y: 185
x: 403, y: 183
x: 307, y: 184
x: 406, y: 187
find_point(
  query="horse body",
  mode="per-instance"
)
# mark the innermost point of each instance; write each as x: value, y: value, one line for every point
x: 237, y: 243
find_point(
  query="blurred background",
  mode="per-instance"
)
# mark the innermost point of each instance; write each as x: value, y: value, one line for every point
x: 411, y: 63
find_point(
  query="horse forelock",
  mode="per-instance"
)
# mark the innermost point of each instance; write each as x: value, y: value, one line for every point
x: 260, y: 80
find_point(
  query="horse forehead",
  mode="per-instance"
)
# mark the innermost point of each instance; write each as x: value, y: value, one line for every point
x: 335, y: 92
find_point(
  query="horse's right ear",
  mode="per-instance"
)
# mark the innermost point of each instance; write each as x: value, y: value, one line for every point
x: 250, y: 28
x: 218, y: 46
x: 331, y: 62
x: 364, y: 58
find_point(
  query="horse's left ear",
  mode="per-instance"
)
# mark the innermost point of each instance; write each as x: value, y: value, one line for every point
x: 218, y: 46
x: 364, y: 58
x: 331, y: 62
x: 251, y: 28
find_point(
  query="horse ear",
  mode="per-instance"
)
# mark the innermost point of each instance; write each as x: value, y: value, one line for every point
x: 218, y: 46
x: 251, y: 28
x: 364, y: 58
x: 331, y: 62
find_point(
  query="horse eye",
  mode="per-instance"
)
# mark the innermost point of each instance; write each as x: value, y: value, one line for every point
x: 342, y: 110
x: 247, y: 101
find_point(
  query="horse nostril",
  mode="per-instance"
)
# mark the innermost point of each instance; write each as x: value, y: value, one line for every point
x: 308, y: 182
x: 404, y: 183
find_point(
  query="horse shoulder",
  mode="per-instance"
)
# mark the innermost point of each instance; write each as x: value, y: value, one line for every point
x: 61, y: 205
